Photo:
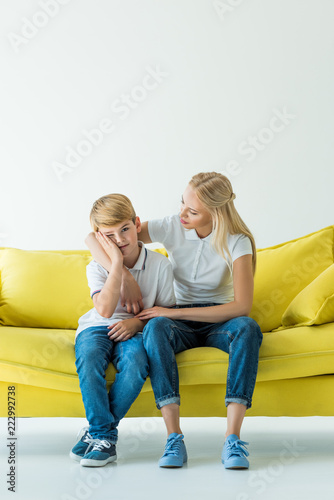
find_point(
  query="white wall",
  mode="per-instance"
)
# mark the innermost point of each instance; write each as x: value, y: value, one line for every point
x: 225, y: 78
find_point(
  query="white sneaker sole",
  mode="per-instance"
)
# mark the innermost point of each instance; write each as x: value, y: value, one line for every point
x: 75, y: 457
x: 88, y: 462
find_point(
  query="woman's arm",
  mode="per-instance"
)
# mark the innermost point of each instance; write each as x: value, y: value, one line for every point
x: 243, y: 283
x: 144, y: 234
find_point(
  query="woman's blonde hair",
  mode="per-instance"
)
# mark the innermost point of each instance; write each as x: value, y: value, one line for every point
x: 215, y: 192
x: 110, y: 210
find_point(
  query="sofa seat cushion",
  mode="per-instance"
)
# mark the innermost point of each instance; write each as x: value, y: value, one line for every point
x: 40, y: 357
x: 301, y: 351
x: 46, y: 358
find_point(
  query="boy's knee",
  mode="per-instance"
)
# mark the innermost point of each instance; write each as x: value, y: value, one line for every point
x: 90, y: 355
x: 131, y: 356
x: 135, y: 357
x: 138, y: 371
x: 134, y: 365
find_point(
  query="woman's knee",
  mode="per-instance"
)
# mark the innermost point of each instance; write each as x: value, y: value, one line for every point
x: 248, y: 329
x: 158, y: 323
x: 157, y: 330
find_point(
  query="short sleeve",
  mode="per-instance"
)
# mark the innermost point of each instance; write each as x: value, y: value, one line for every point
x: 161, y: 230
x: 165, y: 290
x: 241, y: 246
x: 96, y: 276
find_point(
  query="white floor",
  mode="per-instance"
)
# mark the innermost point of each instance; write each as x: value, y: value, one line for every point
x: 291, y: 458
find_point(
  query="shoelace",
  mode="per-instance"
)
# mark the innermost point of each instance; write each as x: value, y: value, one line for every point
x: 98, y: 445
x: 173, y: 445
x: 88, y: 438
x: 237, y: 447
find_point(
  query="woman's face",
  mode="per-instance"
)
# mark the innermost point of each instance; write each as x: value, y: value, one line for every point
x: 193, y: 214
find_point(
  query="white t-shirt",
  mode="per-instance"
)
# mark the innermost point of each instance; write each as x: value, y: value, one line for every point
x: 154, y: 275
x: 201, y: 275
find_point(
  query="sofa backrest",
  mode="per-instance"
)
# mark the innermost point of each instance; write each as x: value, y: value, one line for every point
x: 286, y: 269
x: 48, y: 289
x: 43, y: 289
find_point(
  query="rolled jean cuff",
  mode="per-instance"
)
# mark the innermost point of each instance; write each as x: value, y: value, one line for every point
x: 167, y: 400
x: 110, y: 437
x: 241, y: 401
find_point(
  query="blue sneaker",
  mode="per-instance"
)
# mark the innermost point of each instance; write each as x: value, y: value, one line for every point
x: 234, y: 453
x: 175, y: 454
x: 99, y: 453
x: 84, y: 439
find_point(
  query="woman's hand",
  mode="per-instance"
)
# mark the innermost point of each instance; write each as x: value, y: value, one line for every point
x: 131, y: 296
x: 125, y: 329
x: 156, y: 311
x: 109, y: 246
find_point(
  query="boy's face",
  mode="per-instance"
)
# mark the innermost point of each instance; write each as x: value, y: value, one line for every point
x: 124, y: 235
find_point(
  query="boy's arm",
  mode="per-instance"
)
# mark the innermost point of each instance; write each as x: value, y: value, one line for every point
x: 97, y: 251
x: 131, y: 296
x: 106, y: 300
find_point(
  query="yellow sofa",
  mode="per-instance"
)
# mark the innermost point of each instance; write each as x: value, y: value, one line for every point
x: 42, y: 295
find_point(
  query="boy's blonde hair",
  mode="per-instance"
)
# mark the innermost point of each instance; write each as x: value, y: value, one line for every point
x: 215, y: 192
x: 110, y: 210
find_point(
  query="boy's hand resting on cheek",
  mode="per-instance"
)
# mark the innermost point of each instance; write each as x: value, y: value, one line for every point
x: 125, y: 329
x: 109, y: 246
x: 131, y: 296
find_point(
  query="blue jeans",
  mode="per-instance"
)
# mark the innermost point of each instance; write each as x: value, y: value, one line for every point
x: 94, y: 351
x: 239, y: 337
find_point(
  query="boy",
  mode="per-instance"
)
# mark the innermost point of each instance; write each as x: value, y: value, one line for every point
x: 108, y: 333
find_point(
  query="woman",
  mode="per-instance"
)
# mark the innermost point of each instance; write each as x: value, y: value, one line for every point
x: 213, y: 257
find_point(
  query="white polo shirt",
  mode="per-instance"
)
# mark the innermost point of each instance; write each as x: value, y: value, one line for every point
x: 154, y: 275
x: 200, y: 274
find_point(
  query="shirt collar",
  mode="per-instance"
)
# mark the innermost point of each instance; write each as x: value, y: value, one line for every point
x: 190, y: 234
x: 141, y: 261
